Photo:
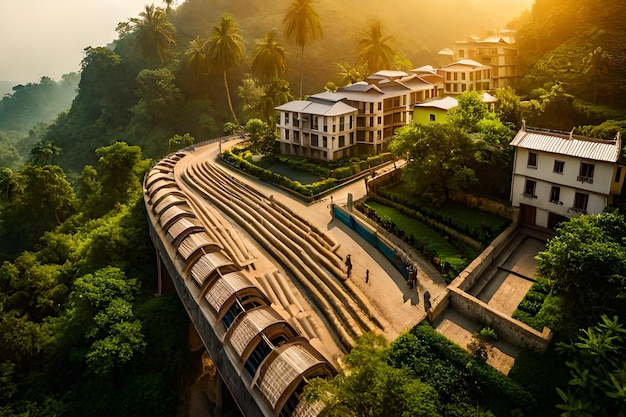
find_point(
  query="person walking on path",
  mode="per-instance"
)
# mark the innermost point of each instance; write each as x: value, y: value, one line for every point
x: 348, y: 265
x: 412, y: 275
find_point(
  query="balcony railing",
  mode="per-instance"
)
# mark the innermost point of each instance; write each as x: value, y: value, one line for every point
x: 584, y: 179
x: 578, y: 210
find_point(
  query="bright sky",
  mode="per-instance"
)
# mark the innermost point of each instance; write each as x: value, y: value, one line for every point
x: 47, y: 37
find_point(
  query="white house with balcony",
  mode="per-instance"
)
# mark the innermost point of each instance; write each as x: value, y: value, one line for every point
x: 558, y: 175
x: 317, y: 128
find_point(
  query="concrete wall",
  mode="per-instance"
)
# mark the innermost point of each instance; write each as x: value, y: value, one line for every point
x: 511, y: 330
x: 507, y: 328
x: 486, y: 204
x: 468, y: 277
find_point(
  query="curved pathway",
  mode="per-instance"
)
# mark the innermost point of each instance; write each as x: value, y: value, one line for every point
x: 311, y: 246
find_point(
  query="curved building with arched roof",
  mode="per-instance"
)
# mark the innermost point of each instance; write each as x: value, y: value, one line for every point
x: 258, y: 352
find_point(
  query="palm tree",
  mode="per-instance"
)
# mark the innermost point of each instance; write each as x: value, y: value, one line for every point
x: 375, y: 51
x: 168, y: 5
x: 595, y: 63
x: 11, y: 186
x: 154, y: 33
x: 350, y: 75
x: 224, y: 50
x: 270, y: 58
x: 44, y: 152
x: 302, y: 25
x: 196, y: 58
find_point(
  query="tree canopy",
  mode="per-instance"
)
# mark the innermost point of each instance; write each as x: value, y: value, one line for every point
x: 438, y: 155
x: 586, y: 264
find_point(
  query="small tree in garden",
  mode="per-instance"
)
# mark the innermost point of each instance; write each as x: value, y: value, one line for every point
x: 480, y: 345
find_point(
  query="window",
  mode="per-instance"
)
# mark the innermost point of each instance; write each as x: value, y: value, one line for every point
x: 314, y: 140
x: 580, y: 202
x: 532, y: 160
x: 232, y: 313
x: 618, y: 174
x: 432, y: 117
x: 586, y: 173
x: 555, y: 194
x: 341, y: 124
x: 461, y: 53
x: 257, y: 356
x: 558, y: 166
x: 296, y: 136
x: 342, y: 141
x: 315, y: 123
x: 325, y: 141
x: 287, y: 134
x: 529, y: 189
x: 286, y: 118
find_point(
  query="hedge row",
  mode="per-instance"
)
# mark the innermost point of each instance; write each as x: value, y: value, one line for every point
x: 484, y: 233
x: 338, y: 170
x: 457, y: 376
x: 449, y: 267
x: 528, y: 310
x: 274, y: 178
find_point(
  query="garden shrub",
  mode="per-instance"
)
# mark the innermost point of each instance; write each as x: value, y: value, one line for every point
x: 275, y: 178
x: 342, y: 172
x: 538, y: 309
x: 458, y: 378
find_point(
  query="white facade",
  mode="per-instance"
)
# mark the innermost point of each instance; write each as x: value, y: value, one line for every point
x: 317, y: 129
x: 557, y: 175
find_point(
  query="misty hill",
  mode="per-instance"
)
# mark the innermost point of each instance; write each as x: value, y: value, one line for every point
x: 32, y: 103
x: 6, y: 87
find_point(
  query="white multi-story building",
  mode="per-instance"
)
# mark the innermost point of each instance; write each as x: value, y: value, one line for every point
x: 383, y: 103
x: 317, y: 128
x: 558, y: 175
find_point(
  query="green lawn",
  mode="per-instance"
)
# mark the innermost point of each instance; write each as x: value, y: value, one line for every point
x: 455, y: 254
x: 470, y: 221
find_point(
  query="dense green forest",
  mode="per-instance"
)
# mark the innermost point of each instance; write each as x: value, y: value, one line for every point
x: 81, y: 332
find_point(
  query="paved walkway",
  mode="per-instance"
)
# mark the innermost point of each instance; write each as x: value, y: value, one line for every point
x: 397, y: 305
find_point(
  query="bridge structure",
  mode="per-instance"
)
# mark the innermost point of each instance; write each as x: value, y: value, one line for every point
x: 266, y: 291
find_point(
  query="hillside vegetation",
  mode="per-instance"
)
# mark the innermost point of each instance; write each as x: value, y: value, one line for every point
x: 81, y: 332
